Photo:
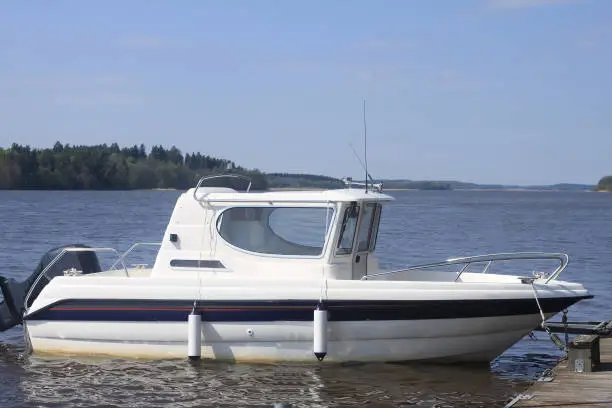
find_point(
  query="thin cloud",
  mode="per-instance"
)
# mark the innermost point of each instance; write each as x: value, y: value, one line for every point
x: 144, y: 43
x: 451, y: 80
x: 525, y: 4
x: 98, y: 99
x: 594, y: 38
x: 72, y: 82
x: 379, y: 44
x: 74, y: 90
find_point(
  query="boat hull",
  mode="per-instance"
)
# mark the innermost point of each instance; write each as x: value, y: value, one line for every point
x: 478, y: 339
x: 273, y: 322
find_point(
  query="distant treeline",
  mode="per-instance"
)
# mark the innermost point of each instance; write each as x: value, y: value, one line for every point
x: 110, y: 167
x: 290, y: 180
x: 417, y: 185
x: 460, y: 185
x: 104, y: 167
x: 605, y: 184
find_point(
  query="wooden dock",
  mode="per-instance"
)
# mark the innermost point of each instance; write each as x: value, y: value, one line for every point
x: 566, y: 388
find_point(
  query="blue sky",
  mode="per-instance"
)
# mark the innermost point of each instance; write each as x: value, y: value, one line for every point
x: 489, y: 91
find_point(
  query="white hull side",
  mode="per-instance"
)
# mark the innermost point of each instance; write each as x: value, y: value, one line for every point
x: 471, y: 339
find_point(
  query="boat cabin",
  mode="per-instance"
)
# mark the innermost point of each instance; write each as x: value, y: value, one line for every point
x: 301, y: 234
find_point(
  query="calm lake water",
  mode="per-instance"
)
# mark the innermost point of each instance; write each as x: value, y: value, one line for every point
x: 418, y: 227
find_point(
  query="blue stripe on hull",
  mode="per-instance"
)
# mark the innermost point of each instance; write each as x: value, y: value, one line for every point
x: 292, y: 310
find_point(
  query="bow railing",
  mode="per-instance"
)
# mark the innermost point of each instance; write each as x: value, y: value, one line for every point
x: 487, y: 261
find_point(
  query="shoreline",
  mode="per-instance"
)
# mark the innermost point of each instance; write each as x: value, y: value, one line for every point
x: 517, y: 189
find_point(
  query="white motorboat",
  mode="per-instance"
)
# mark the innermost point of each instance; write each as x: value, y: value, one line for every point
x: 280, y: 276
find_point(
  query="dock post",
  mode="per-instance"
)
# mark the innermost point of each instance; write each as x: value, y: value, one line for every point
x: 583, y: 353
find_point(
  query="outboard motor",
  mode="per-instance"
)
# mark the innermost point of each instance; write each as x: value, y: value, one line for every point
x: 13, y: 306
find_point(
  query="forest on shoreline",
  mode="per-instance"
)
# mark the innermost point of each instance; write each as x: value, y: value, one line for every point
x: 605, y: 184
x: 110, y: 167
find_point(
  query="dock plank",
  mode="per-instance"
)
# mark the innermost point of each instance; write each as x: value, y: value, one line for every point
x: 569, y: 389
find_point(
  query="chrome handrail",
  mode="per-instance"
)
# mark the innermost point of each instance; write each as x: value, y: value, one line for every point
x: 129, y: 251
x: 205, y: 178
x: 488, y: 259
x: 349, y: 183
x: 57, y: 258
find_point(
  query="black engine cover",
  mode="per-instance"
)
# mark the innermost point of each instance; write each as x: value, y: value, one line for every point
x: 13, y: 306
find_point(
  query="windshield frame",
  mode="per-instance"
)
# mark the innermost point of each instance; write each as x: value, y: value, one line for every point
x: 351, y: 211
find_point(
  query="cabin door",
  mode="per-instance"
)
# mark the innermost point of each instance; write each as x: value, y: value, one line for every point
x: 364, y: 238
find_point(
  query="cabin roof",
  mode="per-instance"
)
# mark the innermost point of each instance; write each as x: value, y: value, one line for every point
x: 211, y: 194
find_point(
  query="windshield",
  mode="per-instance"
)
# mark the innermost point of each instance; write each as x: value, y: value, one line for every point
x: 287, y: 231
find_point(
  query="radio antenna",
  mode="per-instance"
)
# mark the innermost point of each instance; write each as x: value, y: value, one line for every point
x: 365, y: 146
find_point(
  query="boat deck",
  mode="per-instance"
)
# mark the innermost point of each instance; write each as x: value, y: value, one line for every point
x: 570, y: 389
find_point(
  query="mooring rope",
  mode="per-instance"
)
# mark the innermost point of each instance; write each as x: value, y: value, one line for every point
x: 553, y: 337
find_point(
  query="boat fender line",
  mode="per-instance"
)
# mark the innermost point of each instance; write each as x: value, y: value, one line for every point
x: 319, y: 326
x: 194, y: 334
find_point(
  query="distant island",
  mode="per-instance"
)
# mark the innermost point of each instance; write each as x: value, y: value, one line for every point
x: 605, y: 184
x: 111, y: 167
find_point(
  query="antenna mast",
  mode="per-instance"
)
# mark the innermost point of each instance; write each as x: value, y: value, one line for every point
x: 365, y: 145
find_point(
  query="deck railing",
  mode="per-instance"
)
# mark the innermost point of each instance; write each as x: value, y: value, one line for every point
x: 121, y: 258
x: 119, y: 262
x: 203, y: 180
x: 59, y: 256
x: 487, y: 260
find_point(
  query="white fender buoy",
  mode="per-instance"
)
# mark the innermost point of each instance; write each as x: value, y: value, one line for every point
x: 194, y: 335
x: 320, y: 331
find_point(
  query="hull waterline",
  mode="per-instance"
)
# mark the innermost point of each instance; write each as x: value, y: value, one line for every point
x: 470, y: 339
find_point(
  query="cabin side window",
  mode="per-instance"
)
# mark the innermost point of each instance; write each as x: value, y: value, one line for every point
x: 375, y: 227
x: 285, y: 231
x: 347, y: 230
x: 366, y: 228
